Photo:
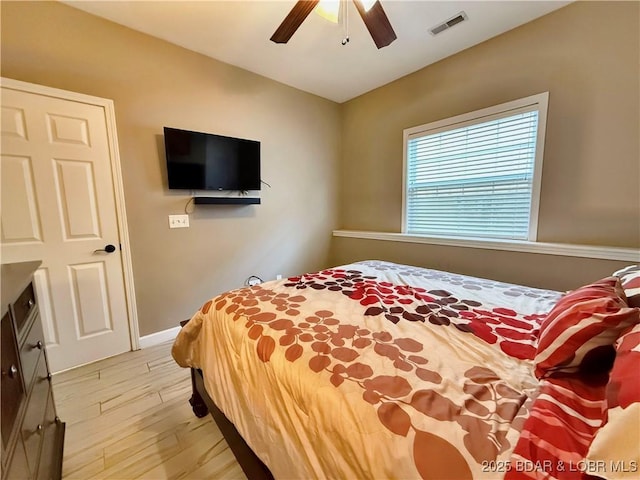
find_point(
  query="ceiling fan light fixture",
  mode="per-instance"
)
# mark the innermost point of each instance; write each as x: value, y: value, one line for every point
x: 375, y: 20
x: 329, y: 10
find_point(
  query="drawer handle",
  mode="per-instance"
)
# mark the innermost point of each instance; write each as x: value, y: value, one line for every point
x: 39, y: 428
x: 12, y: 373
x: 39, y: 345
x: 30, y: 303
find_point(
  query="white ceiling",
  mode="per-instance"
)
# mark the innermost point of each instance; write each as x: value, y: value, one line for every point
x: 314, y: 60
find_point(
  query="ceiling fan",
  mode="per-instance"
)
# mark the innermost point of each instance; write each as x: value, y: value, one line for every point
x: 374, y: 18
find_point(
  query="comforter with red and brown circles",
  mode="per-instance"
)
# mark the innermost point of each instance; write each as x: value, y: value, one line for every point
x: 372, y: 370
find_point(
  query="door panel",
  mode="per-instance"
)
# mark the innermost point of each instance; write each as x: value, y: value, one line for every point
x: 13, y: 123
x: 42, y: 285
x: 90, y: 303
x: 58, y: 206
x: 21, y: 222
x: 75, y: 185
x: 68, y: 130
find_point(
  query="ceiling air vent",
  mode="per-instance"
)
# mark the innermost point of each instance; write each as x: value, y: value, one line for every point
x: 460, y: 17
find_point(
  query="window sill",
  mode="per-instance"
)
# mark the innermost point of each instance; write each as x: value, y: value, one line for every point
x: 563, y: 249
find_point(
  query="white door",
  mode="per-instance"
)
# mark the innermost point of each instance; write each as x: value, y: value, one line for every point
x: 59, y: 206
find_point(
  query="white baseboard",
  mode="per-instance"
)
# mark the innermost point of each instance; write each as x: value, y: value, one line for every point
x: 159, y: 337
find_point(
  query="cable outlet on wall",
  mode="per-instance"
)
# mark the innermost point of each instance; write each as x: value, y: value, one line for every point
x: 178, y: 221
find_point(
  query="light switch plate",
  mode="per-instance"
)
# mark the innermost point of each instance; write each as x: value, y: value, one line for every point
x: 178, y: 221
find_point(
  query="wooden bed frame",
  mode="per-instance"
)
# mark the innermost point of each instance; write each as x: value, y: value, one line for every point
x: 202, y: 404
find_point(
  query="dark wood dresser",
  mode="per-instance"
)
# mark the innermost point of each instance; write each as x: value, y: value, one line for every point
x: 32, y: 433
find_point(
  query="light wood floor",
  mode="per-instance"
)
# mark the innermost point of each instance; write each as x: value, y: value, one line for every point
x: 129, y: 417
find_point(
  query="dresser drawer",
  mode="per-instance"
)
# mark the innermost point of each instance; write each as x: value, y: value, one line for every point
x: 33, y: 424
x: 11, y: 388
x: 18, y: 470
x: 50, y: 467
x: 31, y: 349
x: 23, y: 306
x: 46, y: 468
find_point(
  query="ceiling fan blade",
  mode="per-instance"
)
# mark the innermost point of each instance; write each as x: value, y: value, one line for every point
x: 377, y: 23
x: 293, y: 20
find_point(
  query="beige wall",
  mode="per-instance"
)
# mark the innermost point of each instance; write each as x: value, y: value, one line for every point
x: 154, y: 84
x: 586, y: 55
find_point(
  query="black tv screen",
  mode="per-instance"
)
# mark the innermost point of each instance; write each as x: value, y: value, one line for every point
x: 204, y: 161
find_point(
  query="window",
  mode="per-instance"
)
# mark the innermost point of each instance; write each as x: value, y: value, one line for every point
x: 476, y: 175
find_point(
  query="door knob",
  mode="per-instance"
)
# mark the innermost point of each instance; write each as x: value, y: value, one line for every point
x: 108, y: 248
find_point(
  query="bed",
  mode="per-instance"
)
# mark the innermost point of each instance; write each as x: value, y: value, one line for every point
x: 381, y: 370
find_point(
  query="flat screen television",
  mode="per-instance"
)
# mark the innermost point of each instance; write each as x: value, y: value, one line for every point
x: 204, y: 161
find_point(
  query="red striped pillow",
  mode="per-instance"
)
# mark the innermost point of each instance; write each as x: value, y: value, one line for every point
x: 579, y: 332
x: 630, y: 279
x: 616, y: 443
x: 555, y: 438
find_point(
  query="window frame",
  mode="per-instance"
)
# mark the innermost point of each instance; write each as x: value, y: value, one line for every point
x: 537, y: 102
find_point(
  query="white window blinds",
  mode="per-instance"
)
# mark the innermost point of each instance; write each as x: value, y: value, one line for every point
x: 475, y: 178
